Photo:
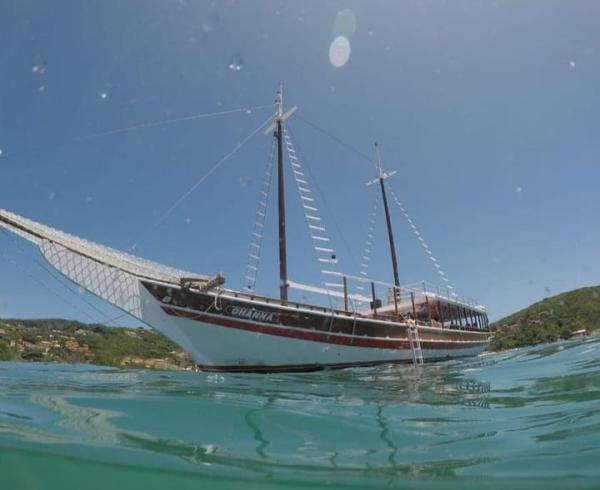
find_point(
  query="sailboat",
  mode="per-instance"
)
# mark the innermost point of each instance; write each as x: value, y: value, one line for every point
x: 235, y: 330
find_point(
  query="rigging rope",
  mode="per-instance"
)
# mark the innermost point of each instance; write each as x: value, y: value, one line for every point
x: 115, y: 318
x: 423, y: 244
x: 186, y: 194
x: 164, y: 122
x: 152, y: 124
x: 336, y: 139
x: 255, y: 250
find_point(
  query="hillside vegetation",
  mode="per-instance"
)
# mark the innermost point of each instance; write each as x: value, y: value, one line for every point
x: 549, y: 320
x: 70, y: 341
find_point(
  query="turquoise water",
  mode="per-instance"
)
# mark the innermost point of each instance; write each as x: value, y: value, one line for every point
x: 523, y: 419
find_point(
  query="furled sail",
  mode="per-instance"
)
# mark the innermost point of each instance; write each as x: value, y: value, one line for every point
x: 108, y: 273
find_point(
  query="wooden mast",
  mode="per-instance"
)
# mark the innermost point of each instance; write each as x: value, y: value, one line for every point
x: 277, y: 125
x: 390, y: 234
x: 381, y: 178
x: 283, y: 278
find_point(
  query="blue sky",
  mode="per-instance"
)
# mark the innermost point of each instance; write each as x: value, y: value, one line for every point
x: 489, y: 111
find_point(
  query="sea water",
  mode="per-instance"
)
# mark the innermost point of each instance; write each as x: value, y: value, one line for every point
x: 529, y: 418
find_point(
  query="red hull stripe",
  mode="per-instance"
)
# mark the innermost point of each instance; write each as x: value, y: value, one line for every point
x: 316, y: 336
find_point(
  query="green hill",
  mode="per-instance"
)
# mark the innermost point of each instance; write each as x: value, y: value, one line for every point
x: 54, y: 340
x: 549, y: 320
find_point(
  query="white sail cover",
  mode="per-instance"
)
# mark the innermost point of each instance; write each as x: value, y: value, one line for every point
x: 38, y: 234
x: 108, y: 273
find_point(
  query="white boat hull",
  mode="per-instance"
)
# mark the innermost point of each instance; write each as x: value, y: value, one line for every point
x: 222, y: 348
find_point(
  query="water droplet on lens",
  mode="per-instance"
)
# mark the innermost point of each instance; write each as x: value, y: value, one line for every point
x: 105, y: 92
x: 572, y: 64
x: 1, y: 152
x: 39, y: 65
x: 42, y: 88
x: 236, y: 63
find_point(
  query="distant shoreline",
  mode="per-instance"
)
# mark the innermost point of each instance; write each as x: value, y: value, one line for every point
x: 67, y: 341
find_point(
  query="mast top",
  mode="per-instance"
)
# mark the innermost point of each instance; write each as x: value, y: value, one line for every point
x: 383, y: 175
x: 281, y: 115
x: 279, y: 101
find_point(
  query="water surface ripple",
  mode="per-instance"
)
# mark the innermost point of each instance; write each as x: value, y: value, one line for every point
x: 523, y: 419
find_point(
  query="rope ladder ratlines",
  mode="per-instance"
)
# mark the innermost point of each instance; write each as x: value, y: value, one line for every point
x: 365, y: 257
x: 423, y: 243
x: 324, y: 252
x: 254, y: 252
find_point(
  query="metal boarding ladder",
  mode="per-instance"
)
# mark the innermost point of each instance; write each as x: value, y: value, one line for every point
x: 415, y: 345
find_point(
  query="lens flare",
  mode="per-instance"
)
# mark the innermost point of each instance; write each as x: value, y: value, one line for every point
x: 339, y: 51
